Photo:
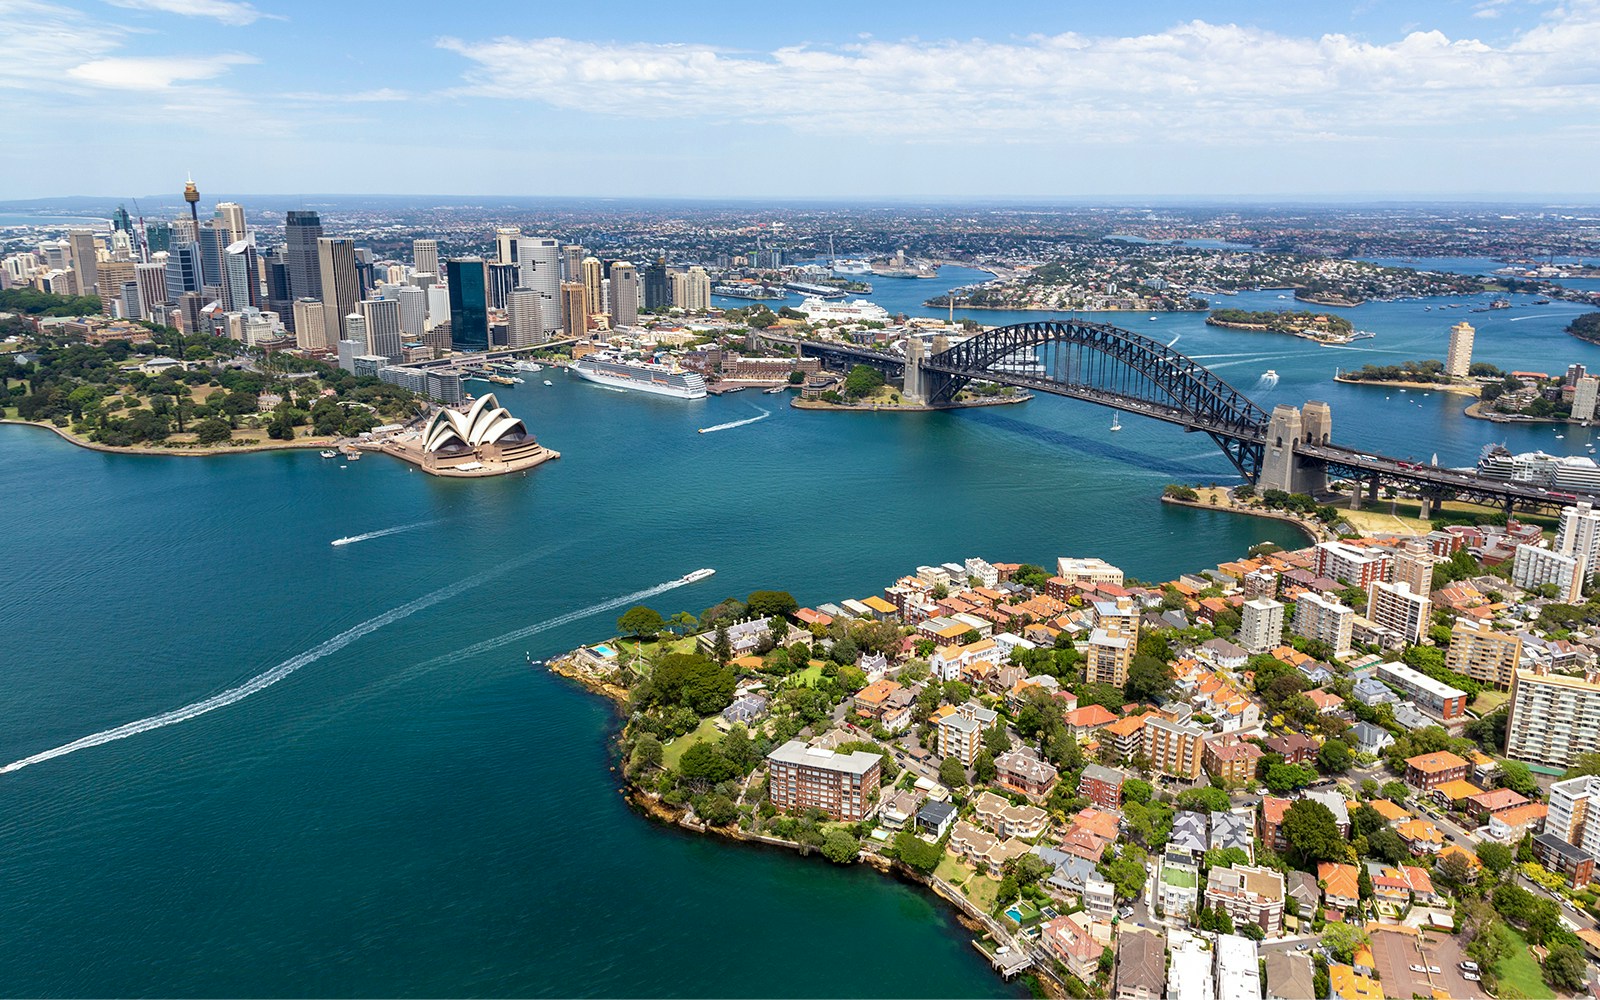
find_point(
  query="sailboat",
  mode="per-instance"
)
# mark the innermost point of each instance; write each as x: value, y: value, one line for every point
x: 1116, y: 424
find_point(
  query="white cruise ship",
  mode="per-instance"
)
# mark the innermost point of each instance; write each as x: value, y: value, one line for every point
x: 849, y: 268
x: 612, y: 370
x: 860, y: 311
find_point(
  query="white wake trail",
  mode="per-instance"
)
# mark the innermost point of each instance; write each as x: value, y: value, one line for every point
x: 737, y: 423
x: 488, y: 645
x: 262, y: 681
x: 352, y: 539
x: 1175, y: 338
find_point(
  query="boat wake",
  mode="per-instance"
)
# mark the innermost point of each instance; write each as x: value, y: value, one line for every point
x: 1175, y: 338
x: 1266, y: 383
x: 262, y: 681
x: 352, y: 539
x: 488, y: 645
x: 737, y: 423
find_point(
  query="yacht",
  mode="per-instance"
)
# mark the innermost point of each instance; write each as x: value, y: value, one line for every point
x: 548, y: 382
x: 330, y: 453
x: 696, y: 576
x: 1116, y: 423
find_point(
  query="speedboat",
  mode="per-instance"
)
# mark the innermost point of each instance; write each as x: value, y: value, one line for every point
x: 548, y: 382
x: 329, y: 453
x: 1270, y: 373
x: 697, y: 575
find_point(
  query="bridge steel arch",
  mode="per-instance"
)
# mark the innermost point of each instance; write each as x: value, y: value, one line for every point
x: 1111, y: 366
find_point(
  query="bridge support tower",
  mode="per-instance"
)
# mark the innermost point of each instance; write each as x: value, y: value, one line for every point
x: 915, y: 389
x: 1281, y: 467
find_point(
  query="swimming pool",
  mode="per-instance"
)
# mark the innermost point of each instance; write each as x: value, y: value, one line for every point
x: 605, y: 651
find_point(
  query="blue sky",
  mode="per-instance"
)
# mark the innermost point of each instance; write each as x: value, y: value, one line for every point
x: 1476, y: 98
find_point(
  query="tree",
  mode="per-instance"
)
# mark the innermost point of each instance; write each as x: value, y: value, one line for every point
x: 1313, y: 834
x: 691, y: 680
x: 952, y: 773
x: 1455, y: 868
x: 862, y: 380
x: 1135, y: 790
x: 766, y: 603
x: 717, y: 810
x: 1203, y: 799
x: 641, y: 621
x: 1396, y: 792
x: 1386, y: 845
x: 1496, y: 858
x: 1149, y: 679
x: 212, y: 430
x: 1363, y: 882
x: 722, y: 648
x: 916, y: 853
x: 1516, y: 776
x: 1565, y: 968
x: 983, y: 769
x: 1343, y: 940
x: 647, y: 753
x: 1334, y: 757
x: 1126, y: 874
x: 996, y: 740
x: 740, y: 751
x: 703, y: 763
x: 839, y: 847
x: 1283, y: 778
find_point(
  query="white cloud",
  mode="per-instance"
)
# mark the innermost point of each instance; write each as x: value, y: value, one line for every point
x: 1193, y: 81
x: 226, y: 11
x: 154, y: 72
x: 49, y: 40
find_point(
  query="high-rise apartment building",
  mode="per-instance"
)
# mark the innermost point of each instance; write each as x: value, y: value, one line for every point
x: 301, y: 231
x: 1458, y: 360
x: 1398, y: 608
x: 1413, y: 564
x: 1479, y: 652
x: 1579, y: 536
x: 1574, y: 814
x: 1351, y: 564
x: 524, y: 318
x: 574, y: 309
x: 311, y: 328
x: 413, y: 310
x: 1532, y: 567
x: 1261, y: 625
x: 1584, y: 392
x: 382, y: 320
x: 593, y: 276
x: 1174, y: 748
x: 1113, y: 642
x: 341, y: 285
x: 425, y: 256
x: 624, y: 294
x: 1324, y: 620
x: 241, y: 277
x: 696, y: 290
x: 1554, y: 718
x: 469, y: 309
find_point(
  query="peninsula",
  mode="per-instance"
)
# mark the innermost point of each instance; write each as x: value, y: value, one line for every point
x: 1324, y: 328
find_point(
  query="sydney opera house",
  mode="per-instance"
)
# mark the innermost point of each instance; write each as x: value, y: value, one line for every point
x: 482, y: 440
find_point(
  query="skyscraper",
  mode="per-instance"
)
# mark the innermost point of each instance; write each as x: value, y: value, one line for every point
x: 540, y: 260
x: 505, y: 241
x: 657, y: 291
x: 624, y: 294
x: 152, y: 279
x: 183, y: 270
x: 241, y: 285
x: 232, y: 216
x: 502, y: 279
x: 158, y: 236
x: 593, y: 275
x: 574, y: 309
x: 311, y: 325
x: 301, y: 230
x: 425, y: 256
x: 572, y: 262
x: 213, y: 242
x: 354, y: 343
x: 1579, y: 537
x: 1585, y: 390
x: 469, y: 310
x: 1459, y: 359
x: 85, y: 261
x: 382, y: 320
x: 413, y: 310
x: 696, y: 290
x: 341, y: 287
x: 524, y: 324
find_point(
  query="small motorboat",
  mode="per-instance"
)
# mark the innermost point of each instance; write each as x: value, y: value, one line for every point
x: 548, y: 382
x: 329, y: 453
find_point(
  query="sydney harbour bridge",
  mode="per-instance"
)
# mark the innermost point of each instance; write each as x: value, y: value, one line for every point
x: 1290, y: 448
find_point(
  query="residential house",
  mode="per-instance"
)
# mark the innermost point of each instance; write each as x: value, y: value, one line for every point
x: 1238, y: 967
x: 1099, y: 899
x: 1231, y: 759
x: 1295, y: 748
x: 1289, y: 976
x: 1326, y: 701
x: 743, y: 637
x: 1102, y: 785
x: 1190, y: 832
x: 1303, y: 889
x: 1085, y: 720
x: 1509, y: 826
x: 1224, y: 654
x: 1370, y: 738
x: 1485, y: 804
x: 1249, y: 895
x: 1455, y: 794
x: 1141, y: 970
x: 747, y: 708
x: 899, y: 808
x: 1341, y: 888
x: 1189, y: 976
x: 1421, y: 836
x: 1023, y: 771
x: 1071, y: 871
x: 935, y: 817
x: 1178, y: 884
x: 1232, y: 829
x: 1345, y: 983
x: 984, y: 851
x: 1372, y: 692
x: 1071, y: 940
x: 872, y: 701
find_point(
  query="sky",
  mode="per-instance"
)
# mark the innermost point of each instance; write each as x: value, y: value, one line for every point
x: 1427, y: 99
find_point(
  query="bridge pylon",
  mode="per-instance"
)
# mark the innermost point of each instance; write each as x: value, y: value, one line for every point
x: 1281, y: 467
x: 915, y: 389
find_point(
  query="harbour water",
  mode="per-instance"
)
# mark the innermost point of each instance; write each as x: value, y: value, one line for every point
x: 403, y: 808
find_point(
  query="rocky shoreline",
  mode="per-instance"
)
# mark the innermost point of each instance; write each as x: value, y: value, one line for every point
x: 188, y: 452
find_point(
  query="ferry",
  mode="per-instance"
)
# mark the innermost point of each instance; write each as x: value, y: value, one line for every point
x: 502, y: 380
x: 775, y: 390
x: 330, y: 454
x: 610, y: 369
x: 696, y: 576
x: 529, y: 366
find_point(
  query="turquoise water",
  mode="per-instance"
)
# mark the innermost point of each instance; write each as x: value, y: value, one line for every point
x: 410, y: 809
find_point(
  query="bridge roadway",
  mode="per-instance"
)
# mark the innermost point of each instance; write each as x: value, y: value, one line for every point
x: 1432, y: 482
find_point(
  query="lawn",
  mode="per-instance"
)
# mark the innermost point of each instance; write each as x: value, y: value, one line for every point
x: 707, y: 730
x: 809, y: 676
x: 1489, y: 699
x: 1178, y: 877
x: 1520, y: 971
x: 952, y: 869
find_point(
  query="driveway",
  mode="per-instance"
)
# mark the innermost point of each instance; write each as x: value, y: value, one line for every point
x: 1446, y: 953
x: 1393, y: 955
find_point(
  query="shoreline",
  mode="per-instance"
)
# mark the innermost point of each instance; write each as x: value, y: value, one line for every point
x: 195, y: 452
x: 930, y: 304
x: 650, y: 805
x: 1476, y: 412
x: 1262, y: 328
x: 818, y: 405
x: 1271, y: 515
x: 1455, y: 388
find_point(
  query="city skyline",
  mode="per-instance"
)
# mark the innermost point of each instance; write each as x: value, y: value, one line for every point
x: 1488, y: 100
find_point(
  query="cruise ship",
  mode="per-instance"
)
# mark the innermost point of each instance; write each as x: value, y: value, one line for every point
x: 746, y: 290
x: 612, y: 370
x: 859, y: 311
x: 849, y: 268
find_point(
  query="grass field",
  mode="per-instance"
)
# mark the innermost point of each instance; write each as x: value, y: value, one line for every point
x: 1488, y: 700
x: 1520, y: 971
x: 673, y: 752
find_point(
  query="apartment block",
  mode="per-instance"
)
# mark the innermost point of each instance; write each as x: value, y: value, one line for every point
x: 1573, y: 816
x: 1174, y: 748
x: 1249, y: 894
x: 1088, y: 571
x: 1398, y: 608
x: 1324, y: 620
x: 1102, y: 785
x: 842, y: 785
x: 1554, y: 717
x: 1261, y: 625
x: 1351, y: 564
x: 1533, y: 567
x: 1430, y: 770
x: 1435, y: 697
x: 1483, y: 654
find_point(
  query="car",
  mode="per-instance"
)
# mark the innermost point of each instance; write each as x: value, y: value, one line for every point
x: 1418, y: 968
x: 1469, y: 966
x: 1434, y: 970
x: 1471, y: 977
x: 1302, y: 947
